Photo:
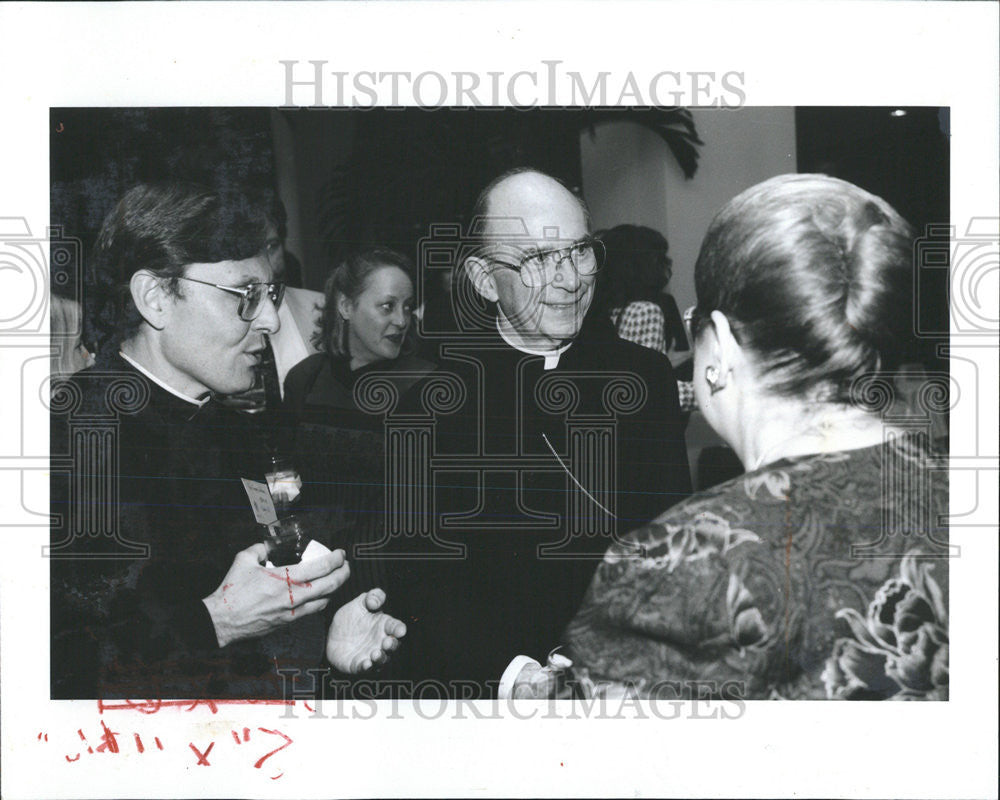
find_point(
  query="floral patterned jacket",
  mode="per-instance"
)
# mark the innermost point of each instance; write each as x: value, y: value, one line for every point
x: 822, y: 576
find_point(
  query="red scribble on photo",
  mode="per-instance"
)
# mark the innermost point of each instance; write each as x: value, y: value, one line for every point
x: 153, y: 706
x: 202, y: 757
x: 260, y: 762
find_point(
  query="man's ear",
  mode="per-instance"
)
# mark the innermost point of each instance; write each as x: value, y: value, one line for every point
x: 481, y: 277
x: 151, y: 297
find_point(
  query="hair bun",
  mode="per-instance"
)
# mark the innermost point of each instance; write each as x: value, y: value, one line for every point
x: 816, y: 273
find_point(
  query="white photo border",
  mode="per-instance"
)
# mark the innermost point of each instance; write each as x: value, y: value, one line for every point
x: 229, y: 54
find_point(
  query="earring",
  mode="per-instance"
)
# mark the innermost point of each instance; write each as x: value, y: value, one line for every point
x: 345, y: 344
x: 712, y: 379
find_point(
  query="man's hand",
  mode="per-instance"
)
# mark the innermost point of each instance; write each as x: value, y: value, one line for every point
x: 361, y: 636
x: 254, y: 600
x: 534, y: 682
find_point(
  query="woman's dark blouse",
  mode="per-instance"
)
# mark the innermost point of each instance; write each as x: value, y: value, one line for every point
x: 339, y: 449
x: 816, y: 577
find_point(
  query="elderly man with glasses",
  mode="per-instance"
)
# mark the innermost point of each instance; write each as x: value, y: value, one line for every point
x: 147, y: 597
x: 567, y: 436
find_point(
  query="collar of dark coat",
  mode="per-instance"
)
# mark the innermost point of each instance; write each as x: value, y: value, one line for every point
x: 114, y: 386
x: 333, y: 382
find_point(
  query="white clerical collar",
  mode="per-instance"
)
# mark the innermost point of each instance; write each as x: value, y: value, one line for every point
x: 551, y: 356
x: 160, y: 383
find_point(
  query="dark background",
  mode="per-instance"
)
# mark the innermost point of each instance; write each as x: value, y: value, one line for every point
x: 351, y: 177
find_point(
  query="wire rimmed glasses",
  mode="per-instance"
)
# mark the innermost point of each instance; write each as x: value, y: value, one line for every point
x: 251, y: 295
x: 538, y: 268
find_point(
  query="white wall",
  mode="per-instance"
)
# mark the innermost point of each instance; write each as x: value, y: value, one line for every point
x: 629, y: 176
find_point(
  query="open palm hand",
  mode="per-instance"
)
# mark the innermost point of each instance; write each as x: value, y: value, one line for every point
x: 361, y: 636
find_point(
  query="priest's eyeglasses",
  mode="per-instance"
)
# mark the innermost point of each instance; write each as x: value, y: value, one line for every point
x: 251, y: 296
x: 538, y: 268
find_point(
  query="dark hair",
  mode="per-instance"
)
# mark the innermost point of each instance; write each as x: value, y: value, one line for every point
x: 162, y: 228
x: 814, y: 275
x: 348, y: 280
x: 637, y: 268
x: 637, y: 264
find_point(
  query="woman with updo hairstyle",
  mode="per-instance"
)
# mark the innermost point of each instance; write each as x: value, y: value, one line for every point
x: 822, y: 572
x: 334, y: 399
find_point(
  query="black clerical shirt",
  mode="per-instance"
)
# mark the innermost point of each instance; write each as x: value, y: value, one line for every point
x: 517, y: 538
x: 151, y: 512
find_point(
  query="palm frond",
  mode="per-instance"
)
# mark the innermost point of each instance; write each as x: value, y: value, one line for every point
x: 674, y: 125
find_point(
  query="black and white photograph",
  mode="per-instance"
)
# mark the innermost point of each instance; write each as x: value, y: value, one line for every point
x: 442, y: 410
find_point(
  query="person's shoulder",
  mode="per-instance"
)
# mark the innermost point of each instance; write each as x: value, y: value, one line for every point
x: 305, y: 369
x: 307, y: 365
x: 109, y: 386
x: 640, y: 308
x: 620, y: 353
x: 710, y: 522
x: 301, y: 377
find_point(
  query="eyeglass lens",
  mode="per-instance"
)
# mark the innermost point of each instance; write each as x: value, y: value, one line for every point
x: 583, y: 255
x: 253, y: 301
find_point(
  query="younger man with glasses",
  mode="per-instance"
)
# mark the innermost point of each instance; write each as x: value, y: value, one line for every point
x: 567, y: 436
x: 147, y: 597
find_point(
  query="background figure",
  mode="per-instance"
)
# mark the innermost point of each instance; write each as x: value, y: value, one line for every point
x: 69, y: 353
x: 631, y: 288
x: 822, y: 572
x: 365, y: 331
x: 299, y: 313
x: 631, y: 292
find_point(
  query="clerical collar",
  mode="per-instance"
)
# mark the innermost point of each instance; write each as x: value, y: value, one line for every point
x: 160, y: 383
x: 551, y: 356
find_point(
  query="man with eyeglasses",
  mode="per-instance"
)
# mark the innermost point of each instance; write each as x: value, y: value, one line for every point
x: 568, y: 435
x: 147, y: 597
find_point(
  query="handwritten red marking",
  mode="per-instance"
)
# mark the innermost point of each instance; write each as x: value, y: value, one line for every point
x: 142, y: 706
x: 236, y: 737
x: 138, y: 744
x: 275, y: 777
x: 153, y: 706
x: 40, y: 735
x: 288, y: 579
x: 157, y: 740
x: 71, y: 760
x: 262, y: 759
x: 246, y: 734
x: 108, y: 740
x: 202, y: 757
x: 84, y: 740
x: 291, y: 600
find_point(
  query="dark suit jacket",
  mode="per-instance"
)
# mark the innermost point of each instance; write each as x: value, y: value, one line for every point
x: 514, y: 540
x: 157, y: 478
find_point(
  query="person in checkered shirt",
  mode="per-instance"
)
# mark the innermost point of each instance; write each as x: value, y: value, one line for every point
x: 630, y: 291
